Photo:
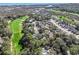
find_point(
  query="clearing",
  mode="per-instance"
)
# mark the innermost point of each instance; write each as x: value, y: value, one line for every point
x: 16, y: 29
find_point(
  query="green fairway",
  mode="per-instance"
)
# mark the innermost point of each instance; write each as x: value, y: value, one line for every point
x: 67, y: 20
x: 16, y: 29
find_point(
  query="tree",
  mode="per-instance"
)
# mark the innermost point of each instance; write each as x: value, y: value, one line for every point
x: 74, y: 49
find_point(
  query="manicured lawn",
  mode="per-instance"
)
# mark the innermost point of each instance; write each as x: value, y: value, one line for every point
x: 65, y: 19
x: 16, y: 28
x: 16, y: 24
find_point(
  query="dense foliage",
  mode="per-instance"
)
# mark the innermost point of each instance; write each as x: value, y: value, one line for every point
x: 40, y: 35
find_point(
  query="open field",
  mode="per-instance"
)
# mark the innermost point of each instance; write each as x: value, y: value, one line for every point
x: 16, y: 28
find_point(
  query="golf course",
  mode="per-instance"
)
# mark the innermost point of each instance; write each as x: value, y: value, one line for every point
x: 16, y: 29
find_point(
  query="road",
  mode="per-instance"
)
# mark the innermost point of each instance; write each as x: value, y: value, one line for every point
x: 63, y: 29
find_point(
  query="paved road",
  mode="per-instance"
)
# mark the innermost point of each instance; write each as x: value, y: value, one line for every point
x: 63, y: 29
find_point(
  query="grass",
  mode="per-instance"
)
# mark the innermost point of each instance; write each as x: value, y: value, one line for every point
x: 16, y: 29
x: 16, y: 24
x: 65, y: 19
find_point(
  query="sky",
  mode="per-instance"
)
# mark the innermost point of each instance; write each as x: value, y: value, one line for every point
x: 39, y: 1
